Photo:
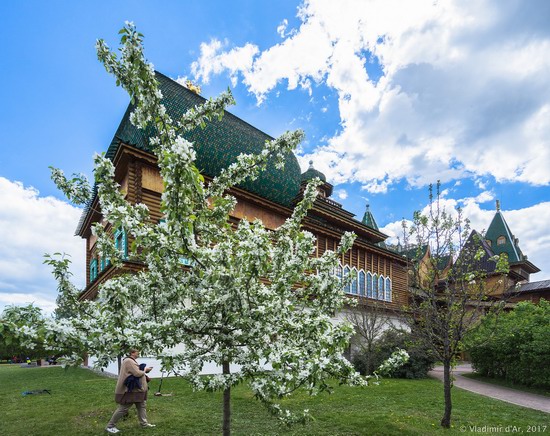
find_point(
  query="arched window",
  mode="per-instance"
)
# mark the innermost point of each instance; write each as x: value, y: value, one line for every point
x: 501, y: 240
x: 338, y: 271
x: 375, y: 286
x: 354, y: 281
x: 121, y: 242
x: 388, y: 289
x: 369, y: 285
x: 381, y: 283
x: 362, y: 283
x: 347, y: 288
x: 93, y: 269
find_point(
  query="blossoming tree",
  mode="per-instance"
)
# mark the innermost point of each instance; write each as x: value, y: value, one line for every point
x: 453, y: 288
x: 255, y: 302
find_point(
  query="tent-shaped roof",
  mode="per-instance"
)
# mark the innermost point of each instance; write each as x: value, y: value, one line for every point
x: 217, y: 145
x: 368, y: 219
x: 474, y: 242
x: 502, y: 240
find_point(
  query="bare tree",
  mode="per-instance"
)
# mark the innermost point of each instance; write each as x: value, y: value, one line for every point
x: 452, y: 286
x: 369, y: 322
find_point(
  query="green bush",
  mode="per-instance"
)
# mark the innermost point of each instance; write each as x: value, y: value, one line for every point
x: 514, y: 346
x: 420, y: 359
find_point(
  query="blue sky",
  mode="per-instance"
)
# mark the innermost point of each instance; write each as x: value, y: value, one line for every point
x: 392, y: 96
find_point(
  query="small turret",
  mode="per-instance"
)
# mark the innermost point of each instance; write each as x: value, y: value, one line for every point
x: 325, y: 190
x: 368, y: 219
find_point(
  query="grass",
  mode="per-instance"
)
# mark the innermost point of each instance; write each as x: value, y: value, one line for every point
x: 82, y: 403
x: 508, y: 384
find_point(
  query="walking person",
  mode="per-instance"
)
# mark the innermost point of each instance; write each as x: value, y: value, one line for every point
x: 131, y: 388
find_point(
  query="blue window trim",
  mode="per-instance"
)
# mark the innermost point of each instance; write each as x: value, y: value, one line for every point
x: 186, y: 261
x: 369, y: 285
x: 121, y: 242
x: 339, y: 271
x: 93, y: 269
x: 347, y: 270
x: 381, y: 288
x: 354, y: 283
x: 363, y: 283
x: 104, y: 263
x: 362, y: 278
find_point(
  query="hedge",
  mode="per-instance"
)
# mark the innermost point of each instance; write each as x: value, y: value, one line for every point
x: 420, y: 358
x: 514, y: 346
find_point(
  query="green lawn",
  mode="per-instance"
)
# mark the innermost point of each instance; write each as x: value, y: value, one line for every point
x: 82, y: 402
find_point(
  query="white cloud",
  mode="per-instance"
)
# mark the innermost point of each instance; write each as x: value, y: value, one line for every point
x: 182, y: 80
x: 281, y: 29
x: 464, y: 85
x: 213, y: 61
x: 342, y: 194
x: 30, y: 226
x: 46, y: 304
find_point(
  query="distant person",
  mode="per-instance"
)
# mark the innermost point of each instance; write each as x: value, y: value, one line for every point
x: 131, y: 388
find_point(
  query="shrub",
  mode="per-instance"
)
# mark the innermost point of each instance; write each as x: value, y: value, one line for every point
x: 420, y: 359
x: 515, y: 345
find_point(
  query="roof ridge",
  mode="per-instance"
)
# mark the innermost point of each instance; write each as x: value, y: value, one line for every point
x: 205, y: 99
x: 509, y: 233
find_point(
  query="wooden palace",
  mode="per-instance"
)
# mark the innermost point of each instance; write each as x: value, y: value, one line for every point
x: 380, y: 274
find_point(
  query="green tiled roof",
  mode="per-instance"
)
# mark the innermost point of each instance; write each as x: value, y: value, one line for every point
x: 498, y: 228
x: 474, y: 242
x: 368, y: 219
x: 218, y: 145
x: 415, y: 252
x: 311, y: 173
x: 443, y: 262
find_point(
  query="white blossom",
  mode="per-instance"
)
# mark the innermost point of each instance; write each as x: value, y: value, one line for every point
x: 250, y: 297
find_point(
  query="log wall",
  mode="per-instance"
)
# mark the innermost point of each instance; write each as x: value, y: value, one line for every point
x: 141, y: 182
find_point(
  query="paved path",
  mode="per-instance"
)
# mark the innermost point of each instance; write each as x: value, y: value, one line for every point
x: 520, y: 398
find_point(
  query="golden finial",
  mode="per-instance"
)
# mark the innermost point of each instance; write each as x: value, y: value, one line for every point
x: 192, y: 87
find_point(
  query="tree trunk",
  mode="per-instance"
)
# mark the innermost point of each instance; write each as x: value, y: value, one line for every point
x: 119, y: 362
x: 226, y: 402
x: 446, y: 420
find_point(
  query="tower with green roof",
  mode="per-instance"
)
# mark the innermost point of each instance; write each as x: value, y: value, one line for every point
x: 500, y: 239
x: 369, y: 221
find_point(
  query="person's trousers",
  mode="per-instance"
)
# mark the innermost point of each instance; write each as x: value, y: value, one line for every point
x: 122, y: 410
